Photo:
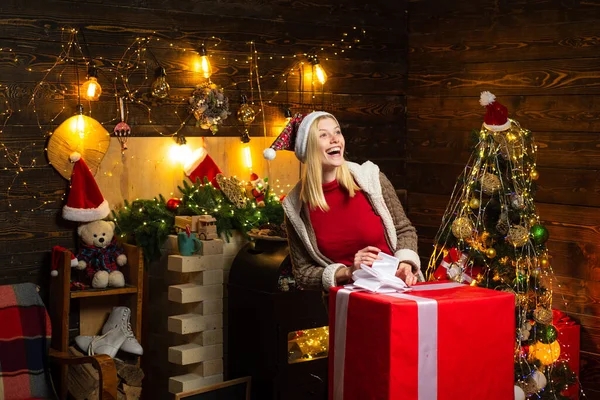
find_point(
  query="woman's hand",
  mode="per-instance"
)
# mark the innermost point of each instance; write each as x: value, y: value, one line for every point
x: 405, y: 273
x: 366, y: 256
x: 343, y: 275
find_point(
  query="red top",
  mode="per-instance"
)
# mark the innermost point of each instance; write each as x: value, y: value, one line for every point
x: 350, y: 225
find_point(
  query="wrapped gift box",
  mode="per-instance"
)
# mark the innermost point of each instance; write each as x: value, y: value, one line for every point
x: 569, y: 339
x: 439, y: 341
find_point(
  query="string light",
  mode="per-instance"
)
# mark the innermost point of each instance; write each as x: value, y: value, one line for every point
x: 91, y: 88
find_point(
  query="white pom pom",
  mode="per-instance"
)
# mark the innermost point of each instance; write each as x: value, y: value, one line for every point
x: 269, y: 154
x: 540, y: 379
x: 519, y: 393
x: 486, y: 98
x: 75, y: 156
x: 54, y: 273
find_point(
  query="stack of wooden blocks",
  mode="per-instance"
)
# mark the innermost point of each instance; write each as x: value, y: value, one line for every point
x: 197, y: 312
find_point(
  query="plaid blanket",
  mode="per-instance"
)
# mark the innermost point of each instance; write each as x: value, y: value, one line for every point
x: 24, y: 342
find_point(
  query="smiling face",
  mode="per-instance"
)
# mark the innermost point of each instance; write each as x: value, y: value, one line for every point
x: 330, y: 144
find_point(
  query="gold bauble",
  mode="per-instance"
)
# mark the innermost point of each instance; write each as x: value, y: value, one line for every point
x: 474, y: 203
x: 490, y: 253
x: 534, y: 175
x: 246, y: 114
x: 462, y: 228
x: 544, y: 262
x: 532, y: 221
x: 518, y: 235
x: 490, y: 183
x: 542, y: 315
x: 546, y: 353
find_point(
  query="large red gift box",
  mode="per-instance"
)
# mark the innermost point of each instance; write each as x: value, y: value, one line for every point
x: 569, y: 339
x: 441, y: 341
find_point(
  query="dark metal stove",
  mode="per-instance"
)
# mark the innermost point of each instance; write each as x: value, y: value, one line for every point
x: 270, y: 329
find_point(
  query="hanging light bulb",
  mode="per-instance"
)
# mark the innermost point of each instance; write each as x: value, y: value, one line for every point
x: 180, y: 152
x: 318, y: 70
x: 246, y: 151
x: 202, y: 64
x: 91, y: 88
x: 160, y: 86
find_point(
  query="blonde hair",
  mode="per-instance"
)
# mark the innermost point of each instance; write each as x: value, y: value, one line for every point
x: 312, y: 177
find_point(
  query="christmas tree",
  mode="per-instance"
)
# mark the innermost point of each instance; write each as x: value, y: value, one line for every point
x: 492, y: 236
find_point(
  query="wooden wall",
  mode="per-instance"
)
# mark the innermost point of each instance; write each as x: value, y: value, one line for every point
x: 365, y: 90
x: 541, y: 59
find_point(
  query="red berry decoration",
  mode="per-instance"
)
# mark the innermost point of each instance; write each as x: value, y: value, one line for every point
x: 173, y: 203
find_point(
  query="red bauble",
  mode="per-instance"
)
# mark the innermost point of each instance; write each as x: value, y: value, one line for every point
x: 173, y: 203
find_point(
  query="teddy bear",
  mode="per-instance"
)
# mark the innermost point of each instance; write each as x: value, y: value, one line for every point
x: 100, y: 255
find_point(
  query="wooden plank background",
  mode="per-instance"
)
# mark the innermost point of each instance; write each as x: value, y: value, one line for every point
x: 366, y: 90
x: 541, y: 60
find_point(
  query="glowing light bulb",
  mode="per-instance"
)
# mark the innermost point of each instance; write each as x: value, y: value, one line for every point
x: 246, y: 151
x: 91, y: 88
x: 180, y: 152
x: 160, y: 86
x: 202, y: 64
x: 319, y: 71
x: 80, y: 126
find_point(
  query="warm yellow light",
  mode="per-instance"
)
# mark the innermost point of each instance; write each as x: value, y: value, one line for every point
x: 78, y: 127
x: 247, y: 155
x: 91, y: 89
x: 321, y: 75
x: 180, y: 153
x: 202, y: 64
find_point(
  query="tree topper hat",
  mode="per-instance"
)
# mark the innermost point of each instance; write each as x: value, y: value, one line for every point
x: 295, y: 135
x: 496, y: 116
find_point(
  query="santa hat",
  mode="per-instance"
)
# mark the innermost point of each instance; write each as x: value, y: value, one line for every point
x: 295, y: 135
x: 202, y: 165
x: 56, y: 257
x: 85, y: 202
x: 496, y: 117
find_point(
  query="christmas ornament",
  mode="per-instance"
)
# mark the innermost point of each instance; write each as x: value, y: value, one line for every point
x: 518, y: 235
x: 534, y: 175
x: 519, y: 393
x: 503, y: 224
x: 529, y: 387
x: 209, y: 106
x: 539, y: 233
x: 547, y: 354
x: 542, y: 315
x: 232, y: 190
x: 245, y: 113
x: 490, y: 183
x: 517, y: 201
x: 462, y: 228
x: 548, y: 335
x: 173, y: 203
x: 539, y: 379
x: 525, y: 330
x: 122, y: 131
x: 474, y: 203
x: 490, y: 253
x: 544, y: 262
x: 532, y: 221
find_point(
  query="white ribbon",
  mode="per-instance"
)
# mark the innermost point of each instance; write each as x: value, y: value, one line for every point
x: 427, y: 340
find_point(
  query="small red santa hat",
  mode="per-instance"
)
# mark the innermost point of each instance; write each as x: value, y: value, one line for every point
x: 496, y: 117
x: 294, y: 136
x: 202, y: 165
x: 85, y: 202
x: 56, y: 253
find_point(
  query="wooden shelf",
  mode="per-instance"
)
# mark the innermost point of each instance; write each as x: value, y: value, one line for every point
x: 128, y: 289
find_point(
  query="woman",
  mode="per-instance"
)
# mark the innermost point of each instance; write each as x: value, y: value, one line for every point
x: 341, y: 214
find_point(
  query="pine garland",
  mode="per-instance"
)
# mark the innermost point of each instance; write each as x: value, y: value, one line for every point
x: 147, y: 223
